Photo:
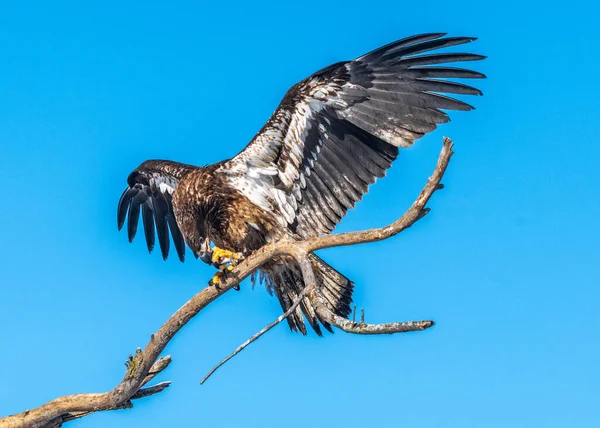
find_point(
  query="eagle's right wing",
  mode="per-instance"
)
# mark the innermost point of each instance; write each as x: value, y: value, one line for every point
x: 150, y: 188
x: 338, y: 130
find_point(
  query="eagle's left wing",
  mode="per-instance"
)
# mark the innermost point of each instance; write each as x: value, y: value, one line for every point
x: 338, y: 130
x: 149, y: 191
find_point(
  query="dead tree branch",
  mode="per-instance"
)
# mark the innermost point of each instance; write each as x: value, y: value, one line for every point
x: 145, y: 364
x: 362, y: 328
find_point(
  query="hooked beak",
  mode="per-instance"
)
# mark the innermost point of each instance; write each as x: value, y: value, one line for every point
x: 205, y: 252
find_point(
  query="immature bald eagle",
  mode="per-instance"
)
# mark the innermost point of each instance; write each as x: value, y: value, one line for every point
x: 333, y: 134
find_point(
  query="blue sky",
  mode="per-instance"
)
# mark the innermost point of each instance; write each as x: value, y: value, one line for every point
x: 507, y: 263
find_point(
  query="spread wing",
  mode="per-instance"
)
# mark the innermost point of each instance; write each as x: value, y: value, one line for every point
x: 149, y: 191
x: 338, y: 130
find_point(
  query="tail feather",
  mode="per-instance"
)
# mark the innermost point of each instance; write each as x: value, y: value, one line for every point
x: 285, y: 279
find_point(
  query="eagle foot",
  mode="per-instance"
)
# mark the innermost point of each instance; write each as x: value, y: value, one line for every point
x: 220, y: 276
x: 223, y: 257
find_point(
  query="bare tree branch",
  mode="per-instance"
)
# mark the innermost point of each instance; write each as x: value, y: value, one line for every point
x: 142, y: 393
x: 161, y: 364
x: 144, y: 365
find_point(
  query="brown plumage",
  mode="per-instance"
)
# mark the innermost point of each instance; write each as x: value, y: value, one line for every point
x: 332, y: 136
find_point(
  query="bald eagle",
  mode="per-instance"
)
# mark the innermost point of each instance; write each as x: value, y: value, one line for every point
x: 333, y: 134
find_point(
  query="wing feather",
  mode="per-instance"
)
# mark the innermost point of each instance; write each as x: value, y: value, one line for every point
x: 330, y: 216
x: 134, y: 216
x: 161, y: 208
x: 147, y: 218
x: 346, y: 196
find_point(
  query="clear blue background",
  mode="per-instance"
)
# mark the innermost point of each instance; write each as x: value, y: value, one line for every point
x: 507, y: 263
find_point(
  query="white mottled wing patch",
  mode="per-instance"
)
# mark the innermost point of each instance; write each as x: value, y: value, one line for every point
x: 255, y: 170
x: 163, y: 183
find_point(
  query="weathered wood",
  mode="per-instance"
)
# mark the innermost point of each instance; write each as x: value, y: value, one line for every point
x: 145, y: 364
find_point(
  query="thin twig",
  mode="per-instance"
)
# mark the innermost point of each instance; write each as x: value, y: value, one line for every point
x: 240, y: 348
x: 151, y: 390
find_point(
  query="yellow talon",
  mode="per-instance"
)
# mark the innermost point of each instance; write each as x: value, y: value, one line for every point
x: 216, y: 279
x: 224, y: 260
x: 222, y: 257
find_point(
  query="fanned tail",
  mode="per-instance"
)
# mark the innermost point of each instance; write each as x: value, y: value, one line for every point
x: 284, y: 278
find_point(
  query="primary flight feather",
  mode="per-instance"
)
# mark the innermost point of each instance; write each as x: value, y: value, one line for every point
x: 333, y: 134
